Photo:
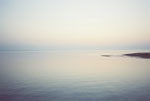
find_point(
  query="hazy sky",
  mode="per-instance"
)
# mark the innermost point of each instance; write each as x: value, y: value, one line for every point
x: 64, y: 23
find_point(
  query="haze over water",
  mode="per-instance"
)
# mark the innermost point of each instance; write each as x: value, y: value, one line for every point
x: 62, y: 50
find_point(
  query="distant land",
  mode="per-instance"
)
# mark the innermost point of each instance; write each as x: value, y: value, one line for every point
x: 140, y: 55
x: 145, y: 55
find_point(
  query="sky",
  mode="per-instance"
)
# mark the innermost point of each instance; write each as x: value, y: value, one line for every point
x: 88, y: 24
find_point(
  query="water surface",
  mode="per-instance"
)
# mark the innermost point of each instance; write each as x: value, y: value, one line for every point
x: 73, y: 76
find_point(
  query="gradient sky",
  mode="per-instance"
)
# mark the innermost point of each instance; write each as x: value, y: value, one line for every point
x: 75, y: 23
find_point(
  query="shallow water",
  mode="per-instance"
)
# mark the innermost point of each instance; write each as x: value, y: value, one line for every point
x: 73, y: 76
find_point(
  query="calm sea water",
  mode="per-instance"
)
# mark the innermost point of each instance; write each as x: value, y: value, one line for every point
x: 73, y: 76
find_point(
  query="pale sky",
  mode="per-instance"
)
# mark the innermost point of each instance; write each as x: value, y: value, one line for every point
x: 65, y: 23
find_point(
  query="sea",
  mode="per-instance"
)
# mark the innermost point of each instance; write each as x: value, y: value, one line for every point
x: 74, y: 76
